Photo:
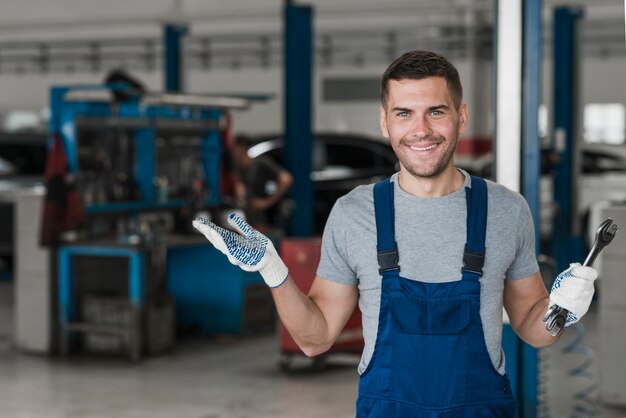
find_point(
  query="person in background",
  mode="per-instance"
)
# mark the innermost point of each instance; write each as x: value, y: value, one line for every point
x: 261, y: 184
x: 431, y: 256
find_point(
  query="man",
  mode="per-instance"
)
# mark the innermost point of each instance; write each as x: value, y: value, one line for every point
x: 261, y: 183
x: 431, y: 256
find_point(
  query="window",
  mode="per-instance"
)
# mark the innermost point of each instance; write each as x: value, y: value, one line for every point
x: 604, y: 123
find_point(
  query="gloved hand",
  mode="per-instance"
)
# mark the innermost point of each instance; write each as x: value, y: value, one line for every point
x: 248, y: 249
x: 573, y: 290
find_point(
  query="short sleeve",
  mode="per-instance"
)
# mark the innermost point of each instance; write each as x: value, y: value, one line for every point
x: 525, y: 262
x: 334, y: 263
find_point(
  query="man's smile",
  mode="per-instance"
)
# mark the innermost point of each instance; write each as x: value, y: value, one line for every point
x: 423, y: 148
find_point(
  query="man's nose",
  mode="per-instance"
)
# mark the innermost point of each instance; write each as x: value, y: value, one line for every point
x: 421, y: 128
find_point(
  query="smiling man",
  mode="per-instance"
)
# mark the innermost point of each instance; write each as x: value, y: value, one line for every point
x: 431, y: 256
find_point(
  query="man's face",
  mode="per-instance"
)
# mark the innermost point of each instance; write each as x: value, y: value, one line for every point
x: 422, y: 124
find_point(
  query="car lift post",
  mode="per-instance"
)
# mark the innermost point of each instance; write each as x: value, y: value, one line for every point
x: 567, y: 238
x: 517, y: 97
x: 298, y: 78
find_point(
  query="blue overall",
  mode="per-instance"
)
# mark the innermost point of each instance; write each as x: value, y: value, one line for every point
x: 430, y: 358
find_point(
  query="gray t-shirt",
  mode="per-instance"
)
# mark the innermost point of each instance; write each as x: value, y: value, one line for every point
x: 431, y: 235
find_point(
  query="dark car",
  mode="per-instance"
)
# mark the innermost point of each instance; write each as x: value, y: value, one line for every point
x: 340, y: 163
x: 592, y: 161
x: 600, y: 161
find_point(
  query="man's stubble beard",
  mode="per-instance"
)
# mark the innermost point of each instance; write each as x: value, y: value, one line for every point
x: 439, y: 168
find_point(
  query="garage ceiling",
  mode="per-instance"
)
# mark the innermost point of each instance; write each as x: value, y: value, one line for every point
x: 348, y: 32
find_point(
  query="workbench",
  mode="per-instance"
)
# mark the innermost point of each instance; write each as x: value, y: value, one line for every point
x: 209, y: 292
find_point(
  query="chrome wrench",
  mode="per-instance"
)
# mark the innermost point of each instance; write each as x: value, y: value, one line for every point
x: 556, y: 316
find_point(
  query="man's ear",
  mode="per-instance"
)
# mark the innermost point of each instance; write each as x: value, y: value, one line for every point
x: 383, y: 121
x: 463, y: 117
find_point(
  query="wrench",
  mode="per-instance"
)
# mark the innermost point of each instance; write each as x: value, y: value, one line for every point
x: 556, y: 316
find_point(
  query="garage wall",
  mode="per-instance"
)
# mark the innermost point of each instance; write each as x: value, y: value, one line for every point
x: 31, y: 92
x: 600, y: 79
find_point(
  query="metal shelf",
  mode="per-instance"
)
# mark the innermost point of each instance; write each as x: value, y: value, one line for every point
x: 135, y: 206
x: 87, y: 327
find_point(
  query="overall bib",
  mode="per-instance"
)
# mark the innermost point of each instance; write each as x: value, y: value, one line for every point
x: 430, y: 358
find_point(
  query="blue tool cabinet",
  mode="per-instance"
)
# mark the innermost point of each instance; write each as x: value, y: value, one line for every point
x: 209, y: 291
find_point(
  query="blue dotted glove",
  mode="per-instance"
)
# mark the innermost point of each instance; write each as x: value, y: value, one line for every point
x: 573, y: 290
x: 248, y: 249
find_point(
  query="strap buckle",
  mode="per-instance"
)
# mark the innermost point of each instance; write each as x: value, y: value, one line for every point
x: 473, y: 261
x: 388, y: 260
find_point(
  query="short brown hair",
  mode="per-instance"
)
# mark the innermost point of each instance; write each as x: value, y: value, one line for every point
x: 417, y: 65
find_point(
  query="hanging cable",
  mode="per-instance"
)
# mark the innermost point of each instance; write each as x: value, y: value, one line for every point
x: 543, y: 365
x: 585, y: 400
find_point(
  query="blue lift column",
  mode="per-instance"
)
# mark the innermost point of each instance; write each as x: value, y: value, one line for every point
x: 531, y: 172
x: 298, y: 68
x: 567, y: 238
x: 172, y: 56
x: 518, y: 91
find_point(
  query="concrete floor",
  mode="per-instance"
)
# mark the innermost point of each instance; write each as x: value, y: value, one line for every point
x: 206, y: 378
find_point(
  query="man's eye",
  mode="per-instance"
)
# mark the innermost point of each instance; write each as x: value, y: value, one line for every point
x: 403, y: 114
x: 436, y: 113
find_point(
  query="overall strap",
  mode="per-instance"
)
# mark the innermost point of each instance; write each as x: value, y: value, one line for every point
x: 474, y: 254
x: 385, y: 233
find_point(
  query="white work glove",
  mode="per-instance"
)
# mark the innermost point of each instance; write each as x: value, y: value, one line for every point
x: 573, y: 290
x: 248, y: 249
